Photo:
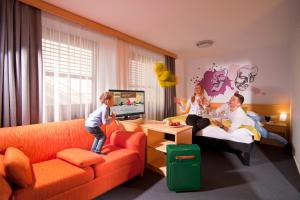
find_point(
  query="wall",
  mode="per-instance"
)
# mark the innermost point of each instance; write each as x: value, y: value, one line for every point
x: 295, y: 100
x: 271, y: 84
x: 180, y: 74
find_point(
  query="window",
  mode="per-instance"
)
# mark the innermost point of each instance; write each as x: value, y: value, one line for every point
x: 72, y: 66
x: 141, y: 76
x: 136, y: 74
x: 78, y: 65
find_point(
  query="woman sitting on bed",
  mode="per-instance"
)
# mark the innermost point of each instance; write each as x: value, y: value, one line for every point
x: 195, y: 107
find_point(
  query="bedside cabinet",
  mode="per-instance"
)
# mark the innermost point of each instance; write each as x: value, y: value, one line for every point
x: 280, y: 128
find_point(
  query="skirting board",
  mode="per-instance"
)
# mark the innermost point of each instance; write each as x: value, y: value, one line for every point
x: 297, y: 164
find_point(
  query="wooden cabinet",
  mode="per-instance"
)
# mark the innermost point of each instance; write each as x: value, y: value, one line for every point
x: 156, y: 140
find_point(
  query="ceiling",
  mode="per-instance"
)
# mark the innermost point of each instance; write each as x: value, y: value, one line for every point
x: 176, y: 25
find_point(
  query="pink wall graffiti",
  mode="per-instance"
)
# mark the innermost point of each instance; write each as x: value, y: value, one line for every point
x: 215, y: 82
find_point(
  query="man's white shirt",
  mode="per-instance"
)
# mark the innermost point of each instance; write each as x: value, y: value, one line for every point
x: 237, y: 117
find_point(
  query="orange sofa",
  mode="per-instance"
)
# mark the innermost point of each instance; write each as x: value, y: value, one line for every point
x: 55, y: 178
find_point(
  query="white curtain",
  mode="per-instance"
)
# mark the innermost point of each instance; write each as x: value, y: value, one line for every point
x: 141, y: 76
x: 79, y: 64
x: 123, y: 64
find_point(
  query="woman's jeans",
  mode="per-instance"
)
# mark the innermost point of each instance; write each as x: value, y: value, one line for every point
x: 100, y: 138
x: 197, y: 122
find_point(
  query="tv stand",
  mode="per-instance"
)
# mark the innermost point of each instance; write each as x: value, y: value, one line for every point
x: 128, y: 118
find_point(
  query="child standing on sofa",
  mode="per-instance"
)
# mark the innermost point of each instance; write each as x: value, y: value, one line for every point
x: 97, y: 118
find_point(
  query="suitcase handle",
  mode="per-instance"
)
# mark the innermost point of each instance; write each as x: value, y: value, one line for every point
x: 185, y: 157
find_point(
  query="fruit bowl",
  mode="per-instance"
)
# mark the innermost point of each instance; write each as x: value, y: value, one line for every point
x: 176, y: 126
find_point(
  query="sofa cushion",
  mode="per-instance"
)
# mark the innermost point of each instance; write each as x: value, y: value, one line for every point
x: 54, y: 177
x: 114, y: 159
x: 79, y: 157
x: 2, y: 171
x: 17, y: 167
x: 5, y: 190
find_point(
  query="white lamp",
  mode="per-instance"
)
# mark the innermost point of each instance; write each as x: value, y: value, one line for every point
x: 282, y: 117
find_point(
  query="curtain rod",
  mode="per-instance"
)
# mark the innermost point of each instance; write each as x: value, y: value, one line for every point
x: 50, y: 8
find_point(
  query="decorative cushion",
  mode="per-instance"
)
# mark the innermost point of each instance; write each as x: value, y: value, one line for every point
x: 79, y: 157
x: 164, y: 76
x: 17, y: 167
x: 253, y: 130
x: 5, y: 190
x: 109, y: 129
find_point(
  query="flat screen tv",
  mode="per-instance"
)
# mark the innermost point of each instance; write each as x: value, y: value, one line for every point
x: 128, y: 103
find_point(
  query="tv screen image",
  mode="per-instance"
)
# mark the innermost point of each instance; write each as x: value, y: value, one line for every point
x: 128, y: 102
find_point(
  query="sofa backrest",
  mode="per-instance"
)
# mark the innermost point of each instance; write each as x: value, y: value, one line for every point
x: 41, y: 142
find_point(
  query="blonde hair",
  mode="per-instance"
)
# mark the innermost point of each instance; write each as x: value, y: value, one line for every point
x: 193, y: 97
x: 105, y: 96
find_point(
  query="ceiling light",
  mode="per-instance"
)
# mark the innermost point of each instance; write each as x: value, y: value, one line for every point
x: 204, y: 43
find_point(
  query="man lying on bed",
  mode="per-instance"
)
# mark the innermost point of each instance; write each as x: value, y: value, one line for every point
x: 236, y: 128
x: 234, y: 112
x: 238, y: 117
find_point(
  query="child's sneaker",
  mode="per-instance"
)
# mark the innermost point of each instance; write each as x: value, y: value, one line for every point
x: 100, y: 153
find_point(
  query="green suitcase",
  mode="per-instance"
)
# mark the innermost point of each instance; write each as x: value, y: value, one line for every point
x: 183, y: 167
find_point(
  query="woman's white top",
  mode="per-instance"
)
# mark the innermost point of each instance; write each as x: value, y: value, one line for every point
x: 237, y: 117
x: 195, y: 107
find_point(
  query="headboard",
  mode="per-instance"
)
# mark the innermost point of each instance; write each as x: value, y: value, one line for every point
x: 272, y: 110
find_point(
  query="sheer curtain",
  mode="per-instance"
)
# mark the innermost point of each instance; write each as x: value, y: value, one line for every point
x: 123, y: 64
x: 79, y: 64
x: 141, y: 76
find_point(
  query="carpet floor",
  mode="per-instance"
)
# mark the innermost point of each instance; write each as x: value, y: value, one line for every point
x: 272, y: 175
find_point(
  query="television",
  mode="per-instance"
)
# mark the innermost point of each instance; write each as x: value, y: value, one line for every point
x: 128, y: 103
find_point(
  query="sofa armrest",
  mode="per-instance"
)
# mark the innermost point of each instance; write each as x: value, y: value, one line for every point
x: 5, y: 189
x: 131, y: 140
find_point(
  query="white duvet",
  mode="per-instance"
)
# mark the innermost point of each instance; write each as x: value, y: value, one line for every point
x: 242, y: 135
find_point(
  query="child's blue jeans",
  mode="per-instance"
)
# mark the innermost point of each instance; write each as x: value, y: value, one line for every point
x: 100, y: 138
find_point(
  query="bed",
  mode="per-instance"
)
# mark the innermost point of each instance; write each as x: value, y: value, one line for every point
x: 240, y: 141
